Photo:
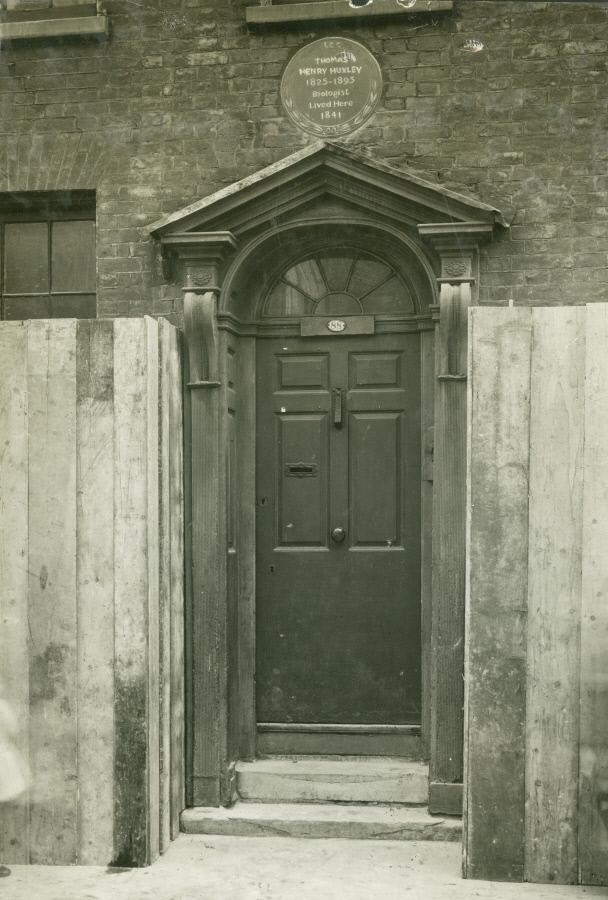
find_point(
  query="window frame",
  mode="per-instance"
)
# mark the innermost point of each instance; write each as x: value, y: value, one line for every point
x: 44, y: 207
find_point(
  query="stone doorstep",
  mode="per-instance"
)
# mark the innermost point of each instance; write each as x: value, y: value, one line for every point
x: 313, y: 820
x: 325, y: 780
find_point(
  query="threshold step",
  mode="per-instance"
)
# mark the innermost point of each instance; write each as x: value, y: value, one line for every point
x: 314, y: 820
x: 342, y: 779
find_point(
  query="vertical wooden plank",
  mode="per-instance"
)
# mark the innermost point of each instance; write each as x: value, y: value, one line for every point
x: 427, y: 381
x: 497, y: 592
x: 176, y: 523
x: 14, y: 660
x: 95, y: 585
x: 246, y: 417
x: 153, y: 623
x: 52, y: 590
x: 165, y: 573
x: 131, y: 787
x: 593, y: 810
x: 554, y: 592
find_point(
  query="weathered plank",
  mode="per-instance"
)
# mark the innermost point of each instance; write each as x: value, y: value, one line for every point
x: 176, y: 523
x: 497, y: 592
x: 554, y: 594
x: 14, y: 659
x: 95, y: 592
x: 593, y: 809
x: 52, y: 590
x: 79, y: 583
x: 153, y: 623
x: 131, y: 574
x: 165, y: 573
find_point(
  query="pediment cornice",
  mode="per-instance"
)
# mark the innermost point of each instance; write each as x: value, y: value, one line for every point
x: 319, y: 173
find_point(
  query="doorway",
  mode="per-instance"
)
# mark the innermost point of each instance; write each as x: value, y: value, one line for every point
x: 325, y: 233
x: 338, y: 601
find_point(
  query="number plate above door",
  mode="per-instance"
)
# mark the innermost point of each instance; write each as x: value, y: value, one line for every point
x: 336, y: 326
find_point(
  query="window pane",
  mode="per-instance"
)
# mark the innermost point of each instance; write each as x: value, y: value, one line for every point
x: 74, y: 306
x: 27, y: 307
x: 73, y: 256
x: 337, y: 269
x: 392, y: 298
x: 288, y: 301
x: 338, y: 305
x: 26, y: 258
x: 367, y: 275
x: 308, y: 278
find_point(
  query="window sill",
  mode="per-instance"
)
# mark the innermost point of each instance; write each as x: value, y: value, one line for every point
x: 317, y: 10
x: 78, y: 26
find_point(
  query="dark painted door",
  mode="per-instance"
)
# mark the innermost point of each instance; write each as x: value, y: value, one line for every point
x: 338, y: 530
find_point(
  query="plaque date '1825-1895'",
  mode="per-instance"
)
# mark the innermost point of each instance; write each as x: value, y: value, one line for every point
x: 331, y: 87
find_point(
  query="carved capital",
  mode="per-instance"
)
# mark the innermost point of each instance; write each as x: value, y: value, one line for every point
x: 457, y: 246
x: 200, y: 276
x: 199, y: 257
x: 456, y: 266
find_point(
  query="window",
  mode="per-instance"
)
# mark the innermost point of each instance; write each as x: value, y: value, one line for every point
x: 340, y: 282
x: 47, y: 255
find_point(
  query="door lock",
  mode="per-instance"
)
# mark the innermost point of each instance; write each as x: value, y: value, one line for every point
x: 338, y: 535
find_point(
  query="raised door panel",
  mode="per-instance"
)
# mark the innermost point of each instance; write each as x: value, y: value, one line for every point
x: 375, y: 479
x: 301, y: 464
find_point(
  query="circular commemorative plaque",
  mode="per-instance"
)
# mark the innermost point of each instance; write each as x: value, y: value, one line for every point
x: 331, y: 87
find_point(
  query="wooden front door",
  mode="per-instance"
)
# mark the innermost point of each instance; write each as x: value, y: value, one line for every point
x: 338, y: 531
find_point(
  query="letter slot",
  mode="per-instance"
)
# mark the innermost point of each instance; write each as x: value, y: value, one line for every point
x: 301, y: 470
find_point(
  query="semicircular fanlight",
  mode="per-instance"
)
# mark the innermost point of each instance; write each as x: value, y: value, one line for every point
x: 339, y: 282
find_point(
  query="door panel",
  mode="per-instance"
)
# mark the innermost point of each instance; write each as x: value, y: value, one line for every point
x: 375, y: 483
x: 303, y: 502
x: 338, y: 618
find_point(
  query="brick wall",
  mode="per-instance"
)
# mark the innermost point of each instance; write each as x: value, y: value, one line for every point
x: 183, y: 100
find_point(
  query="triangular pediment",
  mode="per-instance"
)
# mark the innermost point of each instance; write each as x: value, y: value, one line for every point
x: 331, y: 177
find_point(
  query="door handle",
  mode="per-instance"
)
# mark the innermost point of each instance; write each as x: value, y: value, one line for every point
x: 338, y: 535
x: 338, y: 407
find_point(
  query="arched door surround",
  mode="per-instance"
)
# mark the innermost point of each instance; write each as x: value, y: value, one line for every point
x: 255, y: 260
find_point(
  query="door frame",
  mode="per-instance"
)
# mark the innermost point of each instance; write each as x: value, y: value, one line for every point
x: 441, y: 231
x: 239, y: 330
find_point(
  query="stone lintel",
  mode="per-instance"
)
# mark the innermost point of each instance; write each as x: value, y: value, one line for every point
x: 77, y: 26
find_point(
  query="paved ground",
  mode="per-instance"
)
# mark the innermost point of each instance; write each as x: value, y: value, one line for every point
x: 238, y: 868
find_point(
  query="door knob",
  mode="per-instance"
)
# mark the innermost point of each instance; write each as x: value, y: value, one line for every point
x: 338, y: 535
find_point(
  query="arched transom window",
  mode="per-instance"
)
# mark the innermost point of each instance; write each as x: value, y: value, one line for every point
x: 339, y: 282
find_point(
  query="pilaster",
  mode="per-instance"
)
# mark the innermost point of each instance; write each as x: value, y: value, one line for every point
x: 199, y: 258
x: 457, y: 249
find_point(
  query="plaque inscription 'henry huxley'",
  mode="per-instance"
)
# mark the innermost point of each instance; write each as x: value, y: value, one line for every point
x: 331, y: 87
